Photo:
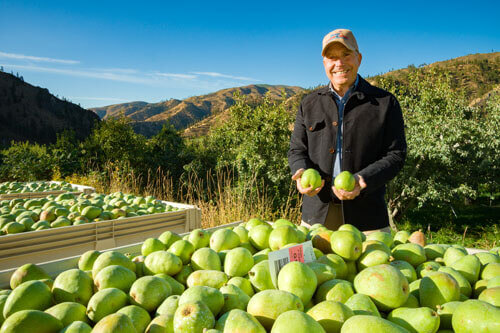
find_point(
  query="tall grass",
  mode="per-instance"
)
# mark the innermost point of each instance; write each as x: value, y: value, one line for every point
x: 220, y: 196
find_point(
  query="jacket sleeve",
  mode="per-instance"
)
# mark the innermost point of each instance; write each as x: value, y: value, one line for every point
x: 387, y: 167
x: 298, y: 156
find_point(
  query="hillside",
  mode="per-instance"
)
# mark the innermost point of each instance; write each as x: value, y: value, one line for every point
x: 29, y: 113
x: 197, y: 111
x: 476, y: 75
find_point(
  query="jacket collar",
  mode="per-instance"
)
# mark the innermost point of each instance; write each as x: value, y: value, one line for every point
x: 362, y: 88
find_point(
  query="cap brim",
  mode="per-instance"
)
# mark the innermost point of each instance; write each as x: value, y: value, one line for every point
x: 339, y: 40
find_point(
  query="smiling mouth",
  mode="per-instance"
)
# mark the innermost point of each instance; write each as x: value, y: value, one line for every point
x: 341, y: 72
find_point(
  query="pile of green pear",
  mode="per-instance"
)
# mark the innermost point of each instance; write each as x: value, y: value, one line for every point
x: 219, y: 281
x: 21, y: 215
x: 30, y: 187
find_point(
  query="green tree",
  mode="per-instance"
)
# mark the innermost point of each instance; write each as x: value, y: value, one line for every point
x: 26, y: 162
x: 453, y: 149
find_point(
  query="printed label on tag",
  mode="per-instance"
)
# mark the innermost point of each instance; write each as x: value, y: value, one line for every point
x: 301, y: 252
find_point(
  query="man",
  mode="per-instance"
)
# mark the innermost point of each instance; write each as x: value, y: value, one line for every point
x: 348, y: 125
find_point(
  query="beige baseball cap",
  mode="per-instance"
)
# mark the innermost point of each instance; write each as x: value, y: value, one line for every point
x: 343, y: 36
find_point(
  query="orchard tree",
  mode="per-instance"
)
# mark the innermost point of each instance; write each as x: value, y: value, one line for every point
x: 453, y: 149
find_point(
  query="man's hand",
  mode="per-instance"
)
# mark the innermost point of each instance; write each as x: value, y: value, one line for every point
x: 344, y: 195
x: 307, y: 191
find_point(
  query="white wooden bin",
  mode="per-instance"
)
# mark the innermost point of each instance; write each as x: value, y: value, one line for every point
x: 78, y: 189
x: 44, y: 245
x: 54, y: 267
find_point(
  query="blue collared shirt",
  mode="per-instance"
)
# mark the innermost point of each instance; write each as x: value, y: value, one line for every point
x: 340, y: 101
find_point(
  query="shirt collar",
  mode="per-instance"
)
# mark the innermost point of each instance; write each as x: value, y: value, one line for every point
x: 349, y: 91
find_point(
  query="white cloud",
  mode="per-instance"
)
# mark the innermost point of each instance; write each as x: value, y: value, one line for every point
x: 215, y: 74
x: 177, y: 76
x: 37, y: 59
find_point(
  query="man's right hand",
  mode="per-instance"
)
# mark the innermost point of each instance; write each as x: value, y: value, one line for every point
x: 307, y: 191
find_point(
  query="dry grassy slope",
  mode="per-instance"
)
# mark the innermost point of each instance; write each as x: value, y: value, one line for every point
x: 475, y: 74
x: 188, y: 112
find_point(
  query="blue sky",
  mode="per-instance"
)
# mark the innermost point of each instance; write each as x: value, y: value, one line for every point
x: 106, y: 52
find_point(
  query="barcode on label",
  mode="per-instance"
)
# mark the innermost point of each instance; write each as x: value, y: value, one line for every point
x: 278, y: 264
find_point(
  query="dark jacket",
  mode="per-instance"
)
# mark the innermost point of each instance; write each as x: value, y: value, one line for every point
x: 374, y: 146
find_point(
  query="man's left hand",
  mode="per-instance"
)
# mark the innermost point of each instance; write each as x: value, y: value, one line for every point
x: 345, y: 195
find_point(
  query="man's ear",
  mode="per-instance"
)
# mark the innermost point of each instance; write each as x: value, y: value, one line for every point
x: 359, y: 57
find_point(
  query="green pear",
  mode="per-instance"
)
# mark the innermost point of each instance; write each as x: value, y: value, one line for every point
x: 205, y: 258
x: 282, y: 235
x: 29, y: 295
x: 490, y: 271
x: 86, y: 261
x: 367, y: 323
x: 491, y: 295
x: 199, y: 238
x: 193, y: 317
x: 417, y: 320
x: 242, y: 283
x: 410, y: 252
x: 479, y: 286
x: 372, y: 258
x: 267, y: 305
x: 77, y: 327
x: 209, y: 278
x: 298, y: 279
x: 445, y: 313
x: 140, y: 318
x: 25, y: 273
x: 116, y: 323
x: 161, y: 324
x: 336, y: 262
x: 224, y: 239
x: 476, y: 316
x: 234, y: 298
x: 469, y: 266
x: 169, y: 305
x: 31, y: 321
x: 323, y: 272
x: 331, y: 315
x: 212, y: 297
x: 385, y: 284
x: 242, y: 233
x: 463, y: 284
x: 298, y: 321
x: 183, y: 249
x: 346, y: 244
x: 438, y: 288
x: 433, y: 251
x: 238, y: 262
x: 115, y: 276
x: 362, y: 304
x: 384, y: 237
x: 282, y: 222
x: 73, y: 285
x: 151, y: 245
x: 411, y: 302
x: 452, y: 254
x: 334, y: 290
x: 177, y: 287
x: 429, y: 266
x: 401, y: 237
x: 241, y: 321
x: 259, y: 236
x: 405, y: 268
x: 493, y: 282
x: 149, y: 292
x: 162, y: 262
x: 105, y: 302
x: 487, y: 258
x: 112, y: 258
x: 183, y: 274
x: 168, y: 238
x: 373, y: 244
x: 350, y: 227
x: 68, y: 312
x: 260, y: 277
x: 253, y: 222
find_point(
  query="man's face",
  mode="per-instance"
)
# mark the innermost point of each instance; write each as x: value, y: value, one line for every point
x: 341, y: 65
